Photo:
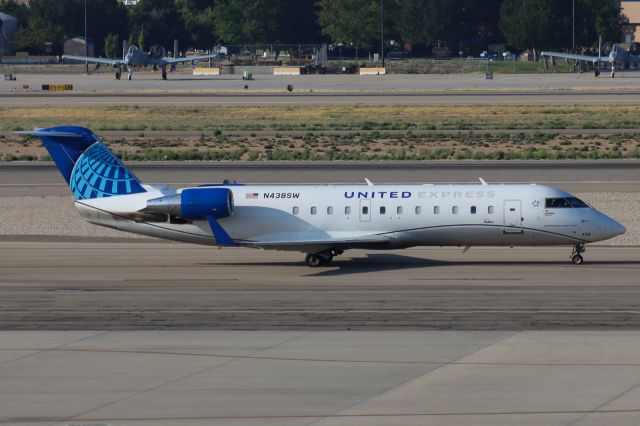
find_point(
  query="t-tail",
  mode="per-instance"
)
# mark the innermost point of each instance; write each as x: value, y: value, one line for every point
x: 89, y: 167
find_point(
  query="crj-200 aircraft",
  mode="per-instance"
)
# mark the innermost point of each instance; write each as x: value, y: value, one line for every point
x: 321, y: 220
x: 137, y: 58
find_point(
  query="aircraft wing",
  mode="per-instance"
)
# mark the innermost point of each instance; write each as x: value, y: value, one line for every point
x: 190, y: 59
x: 314, y: 245
x: 583, y: 58
x: 94, y: 60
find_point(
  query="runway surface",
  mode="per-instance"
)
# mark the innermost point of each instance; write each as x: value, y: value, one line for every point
x: 321, y: 378
x: 581, y: 176
x: 554, y: 98
x: 460, y: 89
x: 80, y: 286
x: 184, y: 82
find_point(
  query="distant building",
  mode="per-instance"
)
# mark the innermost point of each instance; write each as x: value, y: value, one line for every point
x: 9, y: 29
x: 75, y: 46
x: 129, y: 2
x: 631, y: 9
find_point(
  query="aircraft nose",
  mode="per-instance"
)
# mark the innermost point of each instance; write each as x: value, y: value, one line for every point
x: 612, y: 228
x: 617, y: 228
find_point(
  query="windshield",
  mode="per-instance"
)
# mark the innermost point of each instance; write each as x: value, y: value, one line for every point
x: 565, y: 203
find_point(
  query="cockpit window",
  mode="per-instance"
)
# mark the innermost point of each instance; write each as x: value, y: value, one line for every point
x: 577, y: 204
x: 565, y: 203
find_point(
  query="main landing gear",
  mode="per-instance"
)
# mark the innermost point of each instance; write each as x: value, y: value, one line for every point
x: 576, y: 255
x: 323, y: 258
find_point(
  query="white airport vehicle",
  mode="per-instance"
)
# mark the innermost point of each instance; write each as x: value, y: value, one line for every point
x: 321, y: 220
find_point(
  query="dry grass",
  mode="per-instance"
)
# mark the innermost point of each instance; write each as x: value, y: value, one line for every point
x: 324, y: 117
x: 354, y: 146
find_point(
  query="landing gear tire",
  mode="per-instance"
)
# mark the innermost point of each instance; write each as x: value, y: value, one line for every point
x: 597, y: 73
x: 327, y: 259
x: 164, y: 74
x: 576, y: 255
x: 129, y: 76
x: 118, y: 75
x: 313, y: 260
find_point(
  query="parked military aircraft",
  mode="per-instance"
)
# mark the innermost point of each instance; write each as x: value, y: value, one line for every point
x: 618, y: 55
x: 135, y: 57
x: 321, y: 221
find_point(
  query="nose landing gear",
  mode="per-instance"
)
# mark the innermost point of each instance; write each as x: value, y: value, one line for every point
x: 576, y: 255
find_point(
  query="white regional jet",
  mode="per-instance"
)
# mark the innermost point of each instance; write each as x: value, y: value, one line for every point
x: 321, y: 220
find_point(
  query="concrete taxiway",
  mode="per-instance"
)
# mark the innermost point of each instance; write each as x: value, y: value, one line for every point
x: 321, y: 378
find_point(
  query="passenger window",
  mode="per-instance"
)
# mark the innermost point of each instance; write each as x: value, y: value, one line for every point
x: 365, y: 210
x: 314, y: 210
x: 296, y: 211
x: 436, y: 209
x: 473, y: 209
x: 454, y: 210
x: 329, y: 210
x: 491, y: 209
x: 418, y: 209
x: 383, y: 210
x: 399, y: 210
x: 347, y: 210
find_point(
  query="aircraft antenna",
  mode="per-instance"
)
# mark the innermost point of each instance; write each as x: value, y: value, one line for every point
x: 369, y: 183
x: 483, y: 182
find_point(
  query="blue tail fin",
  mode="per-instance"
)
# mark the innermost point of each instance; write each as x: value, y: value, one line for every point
x: 88, y: 166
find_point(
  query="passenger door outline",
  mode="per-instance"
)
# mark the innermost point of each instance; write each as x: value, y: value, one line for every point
x: 512, y: 217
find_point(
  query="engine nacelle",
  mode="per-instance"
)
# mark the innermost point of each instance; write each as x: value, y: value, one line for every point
x: 195, y: 203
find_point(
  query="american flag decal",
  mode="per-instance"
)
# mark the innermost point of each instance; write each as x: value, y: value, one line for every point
x: 251, y: 196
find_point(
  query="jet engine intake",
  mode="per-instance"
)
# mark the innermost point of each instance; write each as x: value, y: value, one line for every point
x: 157, y: 51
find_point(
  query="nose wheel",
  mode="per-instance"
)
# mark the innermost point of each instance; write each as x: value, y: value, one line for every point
x: 576, y: 255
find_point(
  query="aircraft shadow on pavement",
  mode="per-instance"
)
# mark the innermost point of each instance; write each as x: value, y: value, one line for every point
x: 391, y: 262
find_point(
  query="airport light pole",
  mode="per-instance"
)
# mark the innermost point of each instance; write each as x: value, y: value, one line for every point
x: 382, y: 31
x: 86, y: 41
x: 573, y: 27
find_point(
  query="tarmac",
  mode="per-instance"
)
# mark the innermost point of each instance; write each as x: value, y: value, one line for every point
x: 453, y: 89
x: 320, y: 378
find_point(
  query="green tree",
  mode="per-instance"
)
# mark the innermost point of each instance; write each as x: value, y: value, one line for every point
x: 430, y: 21
x: 111, y: 46
x: 350, y: 21
x: 56, y: 21
x: 249, y: 21
x: 156, y: 21
x: 595, y: 18
x: 530, y: 23
x: 141, y: 39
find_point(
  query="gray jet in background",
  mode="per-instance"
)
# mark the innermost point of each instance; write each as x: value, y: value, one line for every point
x: 618, y: 55
x: 135, y: 57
